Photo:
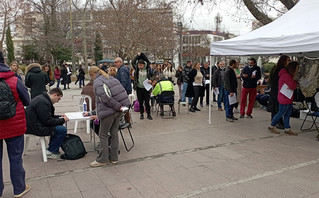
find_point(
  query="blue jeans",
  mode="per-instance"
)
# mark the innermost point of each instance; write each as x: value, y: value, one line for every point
x: 81, y: 82
x: 58, y: 84
x: 57, y: 139
x: 184, y: 93
x: 221, y: 95
x: 284, y: 110
x: 15, y: 147
x: 228, y: 108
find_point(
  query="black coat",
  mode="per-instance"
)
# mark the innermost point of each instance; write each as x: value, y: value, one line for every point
x: 81, y: 74
x: 41, y: 120
x: 64, y: 76
x: 36, y: 80
x: 273, y: 105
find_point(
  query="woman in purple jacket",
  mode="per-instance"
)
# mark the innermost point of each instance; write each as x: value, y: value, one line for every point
x: 110, y: 98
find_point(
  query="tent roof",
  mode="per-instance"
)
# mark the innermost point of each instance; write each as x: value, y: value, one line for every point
x: 294, y: 33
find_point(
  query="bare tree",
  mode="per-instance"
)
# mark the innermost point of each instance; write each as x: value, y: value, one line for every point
x: 9, y: 12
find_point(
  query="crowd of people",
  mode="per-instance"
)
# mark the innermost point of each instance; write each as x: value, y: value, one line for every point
x: 110, y: 87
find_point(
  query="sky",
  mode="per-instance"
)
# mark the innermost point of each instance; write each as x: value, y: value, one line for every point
x: 202, y: 17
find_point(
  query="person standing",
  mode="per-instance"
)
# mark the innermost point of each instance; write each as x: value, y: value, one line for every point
x: 214, y: 68
x: 179, y: 76
x: 286, y: 78
x: 81, y: 76
x: 57, y: 76
x: 205, y: 72
x: 185, y: 73
x: 46, y: 68
x: 195, y: 86
x: 69, y: 73
x: 142, y: 73
x: 42, y: 121
x: 123, y: 75
x: 36, y: 79
x: 169, y: 72
x: 12, y: 132
x: 239, y: 86
x: 273, y: 105
x: 64, y: 76
x: 218, y: 83
x: 110, y: 98
x: 250, y: 75
x: 230, y: 82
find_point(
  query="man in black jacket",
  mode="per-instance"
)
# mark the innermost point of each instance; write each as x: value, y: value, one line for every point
x: 41, y: 120
x: 230, y: 82
x: 36, y: 79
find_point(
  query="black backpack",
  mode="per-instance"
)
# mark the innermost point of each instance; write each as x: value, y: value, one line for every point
x: 7, y: 102
x: 73, y: 147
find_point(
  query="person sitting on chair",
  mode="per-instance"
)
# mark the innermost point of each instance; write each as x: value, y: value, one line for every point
x: 165, y: 91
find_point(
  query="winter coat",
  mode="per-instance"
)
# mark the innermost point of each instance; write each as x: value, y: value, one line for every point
x: 123, y: 75
x: 170, y: 75
x: 230, y: 81
x: 81, y: 74
x: 285, y: 78
x: 179, y: 76
x: 64, y: 76
x: 217, y: 79
x: 190, y: 87
x: 110, y: 96
x: 41, y: 120
x: 16, y: 125
x: 185, y: 73
x: 250, y: 82
x: 57, y: 74
x: 273, y: 105
x: 36, y: 80
x: 135, y: 60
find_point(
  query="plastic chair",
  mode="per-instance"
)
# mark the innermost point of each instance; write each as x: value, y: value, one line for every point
x: 42, y: 142
x: 78, y: 104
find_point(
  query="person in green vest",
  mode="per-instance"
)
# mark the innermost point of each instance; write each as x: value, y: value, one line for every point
x: 164, y: 91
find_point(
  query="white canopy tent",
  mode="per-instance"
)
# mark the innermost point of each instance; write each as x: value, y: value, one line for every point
x: 295, y: 33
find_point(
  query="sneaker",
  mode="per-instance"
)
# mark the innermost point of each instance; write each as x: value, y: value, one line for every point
x: 141, y: 117
x: 97, y: 164
x: 273, y: 130
x: 249, y: 116
x: 234, y: 118
x: 51, y: 155
x: 290, y: 132
x: 196, y: 109
x: 229, y: 119
x: 114, y: 161
x: 174, y: 114
x: 220, y: 109
x: 192, y: 110
x: 241, y: 116
x: 149, y: 117
x: 27, y: 189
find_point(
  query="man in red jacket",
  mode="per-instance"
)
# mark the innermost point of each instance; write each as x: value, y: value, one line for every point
x: 12, y: 131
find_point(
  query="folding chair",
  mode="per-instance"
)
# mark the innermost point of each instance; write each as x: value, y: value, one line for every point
x: 313, y: 114
x: 127, y: 126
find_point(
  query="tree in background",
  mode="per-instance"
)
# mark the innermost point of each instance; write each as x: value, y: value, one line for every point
x: 29, y: 52
x: 98, y: 53
x: 10, y: 47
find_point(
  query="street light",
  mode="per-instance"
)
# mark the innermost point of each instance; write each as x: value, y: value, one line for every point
x: 180, y: 25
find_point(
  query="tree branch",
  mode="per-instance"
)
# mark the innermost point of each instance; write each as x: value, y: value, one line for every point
x: 263, y: 18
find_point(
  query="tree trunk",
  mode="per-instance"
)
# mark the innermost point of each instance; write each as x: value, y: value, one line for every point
x: 85, y: 53
x: 261, y: 17
x: 288, y: 3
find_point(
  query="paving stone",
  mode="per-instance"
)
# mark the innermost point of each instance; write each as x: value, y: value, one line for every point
x: 149, y: 188
x: 124, y: 189
x: 63, y: 186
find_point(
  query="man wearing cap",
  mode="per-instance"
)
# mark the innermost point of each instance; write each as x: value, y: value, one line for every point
x: 142, y: 72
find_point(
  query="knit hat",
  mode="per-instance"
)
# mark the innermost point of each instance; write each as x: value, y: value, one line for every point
x: 141, y: 62
x: 1, y: 57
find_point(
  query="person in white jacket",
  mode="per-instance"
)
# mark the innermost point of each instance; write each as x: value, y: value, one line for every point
x: 169, y: 72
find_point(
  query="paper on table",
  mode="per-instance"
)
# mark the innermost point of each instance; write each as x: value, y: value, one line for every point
x: 232, y: 99
x: 76, y: 116
x: 216, y: 91
x: 286, y: 91
x: 147, y: 85
x: 207, y: 82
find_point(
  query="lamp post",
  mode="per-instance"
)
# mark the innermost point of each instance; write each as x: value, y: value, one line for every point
x: 180, y: 25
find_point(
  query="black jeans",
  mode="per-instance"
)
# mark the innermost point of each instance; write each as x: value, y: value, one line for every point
x: 197, y: 90
x: 207, y: 94
x: 143, y: 97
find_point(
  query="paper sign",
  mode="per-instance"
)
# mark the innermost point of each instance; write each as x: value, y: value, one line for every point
x: 286, y: 91
x: 232, y: 99
x: 216, y: 91
x: 254, y: 72
x: 147, y: 85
